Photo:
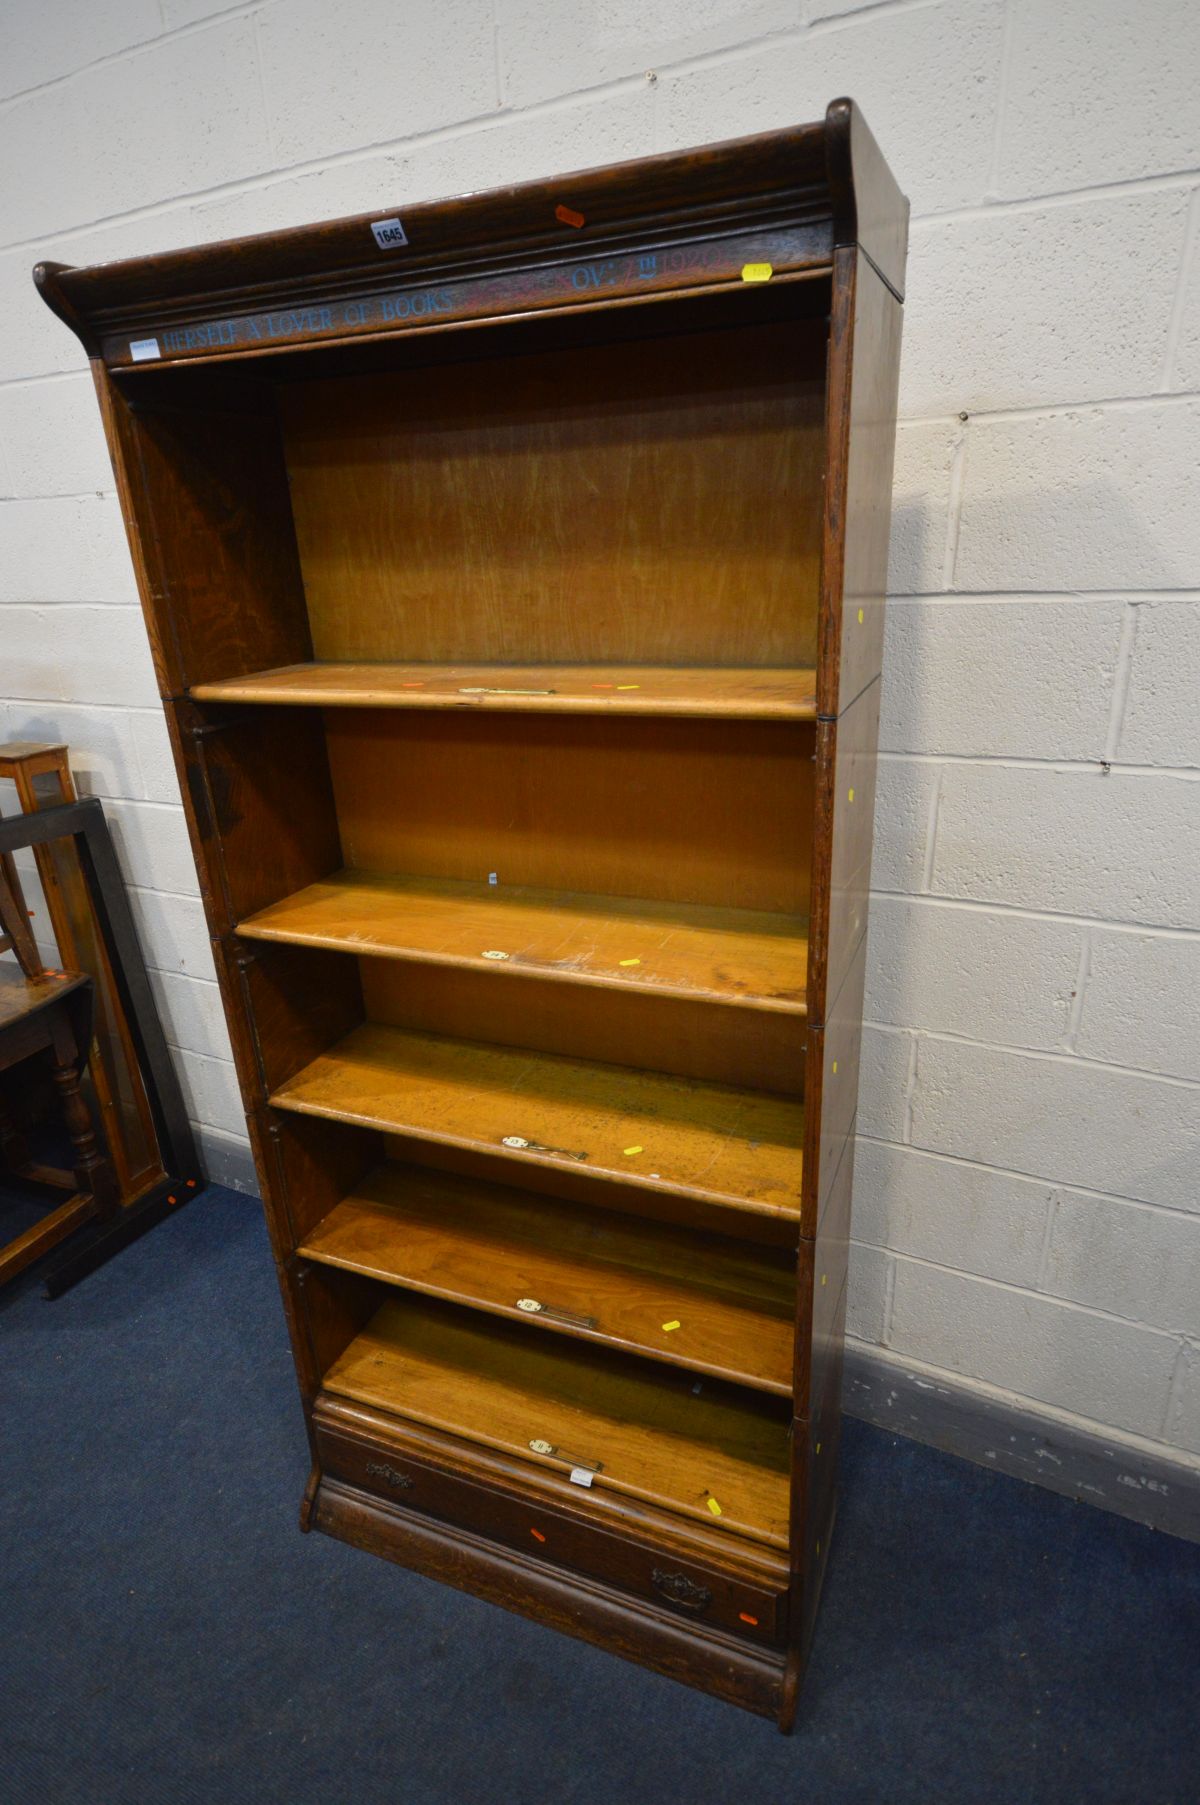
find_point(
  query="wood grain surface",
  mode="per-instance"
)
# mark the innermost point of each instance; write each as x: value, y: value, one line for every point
x: 651, y: 1435
x: 743, y: 694
x: 719, y: 955
x: 712, y: 1142
x: 684, y: 1298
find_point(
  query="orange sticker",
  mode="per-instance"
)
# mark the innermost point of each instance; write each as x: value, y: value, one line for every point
x: 537, y: 1535
x: 745, y: 1617
x: 568, y: 216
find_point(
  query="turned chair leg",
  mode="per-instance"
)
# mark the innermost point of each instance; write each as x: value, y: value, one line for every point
x: 93, y: 1171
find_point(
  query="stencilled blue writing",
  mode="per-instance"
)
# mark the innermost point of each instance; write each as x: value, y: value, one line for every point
x: 551, y: 285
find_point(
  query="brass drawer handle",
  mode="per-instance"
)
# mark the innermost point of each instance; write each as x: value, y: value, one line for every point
x: 379, y: 1469
x: 681, y: 1590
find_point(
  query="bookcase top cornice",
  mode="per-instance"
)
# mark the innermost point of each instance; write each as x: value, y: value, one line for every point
x: 788, y: 197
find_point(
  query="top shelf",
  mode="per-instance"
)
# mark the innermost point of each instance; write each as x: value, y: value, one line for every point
x: 747, y: 694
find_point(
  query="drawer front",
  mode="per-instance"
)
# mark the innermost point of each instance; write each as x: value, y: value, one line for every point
x: 688, y: 1588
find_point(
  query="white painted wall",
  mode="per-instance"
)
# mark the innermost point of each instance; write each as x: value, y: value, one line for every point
x: 1028, y: 1206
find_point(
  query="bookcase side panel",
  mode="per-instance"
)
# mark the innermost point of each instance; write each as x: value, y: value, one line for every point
x: 212, y: 799
x: 861, y: 413
x: 204, y: 486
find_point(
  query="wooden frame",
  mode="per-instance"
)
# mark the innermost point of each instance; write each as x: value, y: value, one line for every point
x: 84, y: 826
x: 34, y: 768
x: 515, y: 575
x: 51, y: 1013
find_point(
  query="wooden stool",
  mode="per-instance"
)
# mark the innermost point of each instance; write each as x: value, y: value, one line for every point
x: 52, y: 1010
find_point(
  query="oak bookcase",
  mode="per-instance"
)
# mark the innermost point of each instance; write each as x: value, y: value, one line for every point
x: 514, y: 569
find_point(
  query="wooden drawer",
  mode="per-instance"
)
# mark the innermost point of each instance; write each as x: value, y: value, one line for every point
x: 540, y: 1527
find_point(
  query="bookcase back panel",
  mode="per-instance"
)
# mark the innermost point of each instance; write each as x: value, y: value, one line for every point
x: 677, y: 811
x: 577, y: 1185
x: 655, y: 501
x: 760, y: 1051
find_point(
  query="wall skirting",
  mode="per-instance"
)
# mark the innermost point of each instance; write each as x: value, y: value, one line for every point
x: 227, y: 1161
x: 1121, y: 1473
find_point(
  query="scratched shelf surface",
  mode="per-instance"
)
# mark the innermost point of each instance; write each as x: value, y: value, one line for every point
x: 768, y: 694
x: 638, y: 1429
x: 737, y: 1149
x: 736, y: 956
x: 687, y: 1299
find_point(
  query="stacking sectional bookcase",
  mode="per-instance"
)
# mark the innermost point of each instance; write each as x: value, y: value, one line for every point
x: 514, y: 571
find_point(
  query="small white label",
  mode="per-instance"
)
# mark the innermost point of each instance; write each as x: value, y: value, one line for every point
x: 530, y: 1305
x: 542, y: 1447
x: 389, y: 234
x: 515, y: 1140
x: 143, y: 349
x: 493, y: 954
x: 580, y: 1476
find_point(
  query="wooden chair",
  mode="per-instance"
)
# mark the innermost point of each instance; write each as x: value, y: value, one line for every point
x: 44, y: 1010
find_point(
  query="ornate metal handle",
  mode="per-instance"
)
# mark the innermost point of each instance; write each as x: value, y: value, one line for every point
x: 379, y: 1469
x: 681, y: 1590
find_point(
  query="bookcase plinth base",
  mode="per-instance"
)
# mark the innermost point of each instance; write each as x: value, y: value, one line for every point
x: 711, y: 1661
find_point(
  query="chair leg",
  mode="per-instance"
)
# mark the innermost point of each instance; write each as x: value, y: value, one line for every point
x: 93, y: 1171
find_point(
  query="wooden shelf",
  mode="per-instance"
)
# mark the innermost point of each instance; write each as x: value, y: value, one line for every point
x: 737, y: 956
x: 598, y: 1275
x: 748, y: 694
x: 708, y: 1142
x: 648, y: 1434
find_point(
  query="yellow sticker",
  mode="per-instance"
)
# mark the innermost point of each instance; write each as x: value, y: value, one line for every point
x: 629, y: 686
x: 668, y: 1326
x: 852, y: 795
x: 818, y: 1447
x: 714, y: 1507
x: 823, y: 1277
x: 860, y: 617
x: 629, y: 962
x: 757, y: 272
x: 835, y: 1068
x: 628, y: 1150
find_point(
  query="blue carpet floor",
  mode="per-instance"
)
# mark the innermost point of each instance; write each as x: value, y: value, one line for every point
x: 168, y: 1635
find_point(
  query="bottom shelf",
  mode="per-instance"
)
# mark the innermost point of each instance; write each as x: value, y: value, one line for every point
x: 699, y: 1448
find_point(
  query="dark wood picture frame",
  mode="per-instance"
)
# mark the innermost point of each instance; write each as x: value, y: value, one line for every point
x: 83, y: 823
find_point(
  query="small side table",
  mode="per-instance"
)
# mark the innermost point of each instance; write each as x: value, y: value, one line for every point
x: 52, y: 1010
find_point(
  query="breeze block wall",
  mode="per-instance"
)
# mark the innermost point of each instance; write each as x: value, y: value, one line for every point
x: 1027, y: 1215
